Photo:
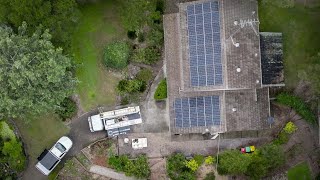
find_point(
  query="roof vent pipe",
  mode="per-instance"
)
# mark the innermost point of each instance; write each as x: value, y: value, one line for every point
x: 238, y: 69
x: 234, y: 109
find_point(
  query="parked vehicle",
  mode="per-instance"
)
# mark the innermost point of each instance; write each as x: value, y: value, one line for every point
x: 116, y: 121
x: 49, y: 159
x: 248, y: 149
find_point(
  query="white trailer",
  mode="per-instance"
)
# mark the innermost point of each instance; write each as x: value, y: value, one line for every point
x: 116, y: 119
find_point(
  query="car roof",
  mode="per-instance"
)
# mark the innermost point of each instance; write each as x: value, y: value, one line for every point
x: 48, y: 160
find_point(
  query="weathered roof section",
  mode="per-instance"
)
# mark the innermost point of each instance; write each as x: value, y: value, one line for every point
x: 242, y: 46
x: 247, y: 109
x: 271, y: 58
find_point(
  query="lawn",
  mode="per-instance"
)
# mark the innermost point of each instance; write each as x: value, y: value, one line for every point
x: 300, y: 171
x: 301, y: 34
x: 98, y: 26
x: 40, y: 133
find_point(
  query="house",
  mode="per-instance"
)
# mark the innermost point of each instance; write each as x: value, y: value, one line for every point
x: 220, y: 67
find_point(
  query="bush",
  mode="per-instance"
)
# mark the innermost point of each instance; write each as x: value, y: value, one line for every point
x: 161, y: 91
x: 141, y: 37
x: 138, y: 168
x: 155, y: 37
x: 209, y: 160
x: 14, y: 154
x: 233, y: 162
x: 116, y: 55
x: 132, y: 35
x: 68, y: 108
x: 144, y: 75
x: 298, y: 105
x: 131, y: 86
x: 282, y: 138
x: 199, y: 159
x: 192, y: 165
x: 290, y: 128
x: 210, y: 176
x: 176, y: 168
x: 147, y: 55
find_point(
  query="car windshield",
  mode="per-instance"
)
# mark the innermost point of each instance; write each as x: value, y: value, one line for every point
x: 60, y: 147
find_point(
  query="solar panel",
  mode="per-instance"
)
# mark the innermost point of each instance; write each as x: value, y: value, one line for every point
x: 203, y: 20
x: 197, y: 111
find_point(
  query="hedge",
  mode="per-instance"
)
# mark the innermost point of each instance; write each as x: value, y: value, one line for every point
x: 161, y: 91
x: 298, y: 105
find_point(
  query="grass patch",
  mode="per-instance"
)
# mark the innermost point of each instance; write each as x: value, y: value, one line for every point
x: 99, y: 26
x: 301, y: 36
x: 300, y: 171
x: 161, y: 91
x: 40, y: 133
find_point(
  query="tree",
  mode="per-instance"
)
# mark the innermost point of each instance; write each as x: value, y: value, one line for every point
x: 233, y: 162
x: 34, y: 76
x: 116, y: 55
x: 59, y: 16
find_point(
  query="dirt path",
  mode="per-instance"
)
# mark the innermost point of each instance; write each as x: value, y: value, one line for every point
x: 103, y: 171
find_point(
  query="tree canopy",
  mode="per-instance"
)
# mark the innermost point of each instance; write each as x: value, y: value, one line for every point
x: 59, y: 16
x: 34, y: 76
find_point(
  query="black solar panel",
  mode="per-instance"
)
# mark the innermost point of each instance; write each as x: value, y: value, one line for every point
x: 197, y: 111
x: 203, y: 20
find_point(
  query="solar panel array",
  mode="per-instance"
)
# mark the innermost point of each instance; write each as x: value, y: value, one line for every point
x: 203, y: 22
x: 197, y: 111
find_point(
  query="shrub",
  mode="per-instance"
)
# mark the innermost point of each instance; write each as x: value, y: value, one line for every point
x: 141, y: 37
x: 144, y: 75
x: 138, y: 168
x: 192, y: 165
x: 176, y: 168
x: 147, y: 55
x: 116, y: 55
x: 14, y: 154
x: 298, y: 105
x: 282, y: 138
x: 161, y: 91
x: 155, y: 37
x: 209, y: 160
x: 68, y: 108
x: 290, y: 128
x: 273, y: 155
x: 210, y: 176
x: 233, y: 162
x: 132, y: 35
x: 199, y: 159
x: 131, y: 86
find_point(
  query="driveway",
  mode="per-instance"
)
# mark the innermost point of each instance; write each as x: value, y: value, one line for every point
x: 81, y: 137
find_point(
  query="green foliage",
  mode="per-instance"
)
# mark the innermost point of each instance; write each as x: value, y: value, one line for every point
x: 67, y: 109
x: 136, y: 14
x: 116, y: 55
x: 138, y: 168
x: 14, y: 154
x: 280, y: 3
x: 144, y: 75
x: 176, y: 168
x: 282, y: 138
x: 161, y: 91
x: 141, y: 37
x: 290, y: 128
x: 131, y: 86
x: 210, y: 176
x: 5, y: 131
x: 300, y: 171
x: 209, y: 160
x: 199, y: 159
x: 132, y: 35
x: 233, y: 162
x: 147, y: 55
x: 298, y: 105
x: 192, y: 165
x: 59, y: 16
x: 257, y: 168
x: 34, y: 76
x: 273, y: 155
x: 155, y: 37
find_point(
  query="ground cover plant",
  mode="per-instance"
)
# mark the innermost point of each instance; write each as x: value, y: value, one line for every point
x: 161, y: 91
x: 177, y: 169
x: 284, y: 135
x: 12, y: 158
x: 298, y: 105
x: 99, y: 25
x: 138, y: 167
x: 301, y: 36
x: 300, y: 171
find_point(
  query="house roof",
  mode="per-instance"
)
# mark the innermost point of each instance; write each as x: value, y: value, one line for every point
x: 241, y: 90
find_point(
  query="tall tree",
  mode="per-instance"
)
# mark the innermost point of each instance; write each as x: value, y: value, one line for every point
x: 59, y: 16
x: 34, y: 76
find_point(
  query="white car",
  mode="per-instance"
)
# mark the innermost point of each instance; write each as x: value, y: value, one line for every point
x: 49, y: 159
